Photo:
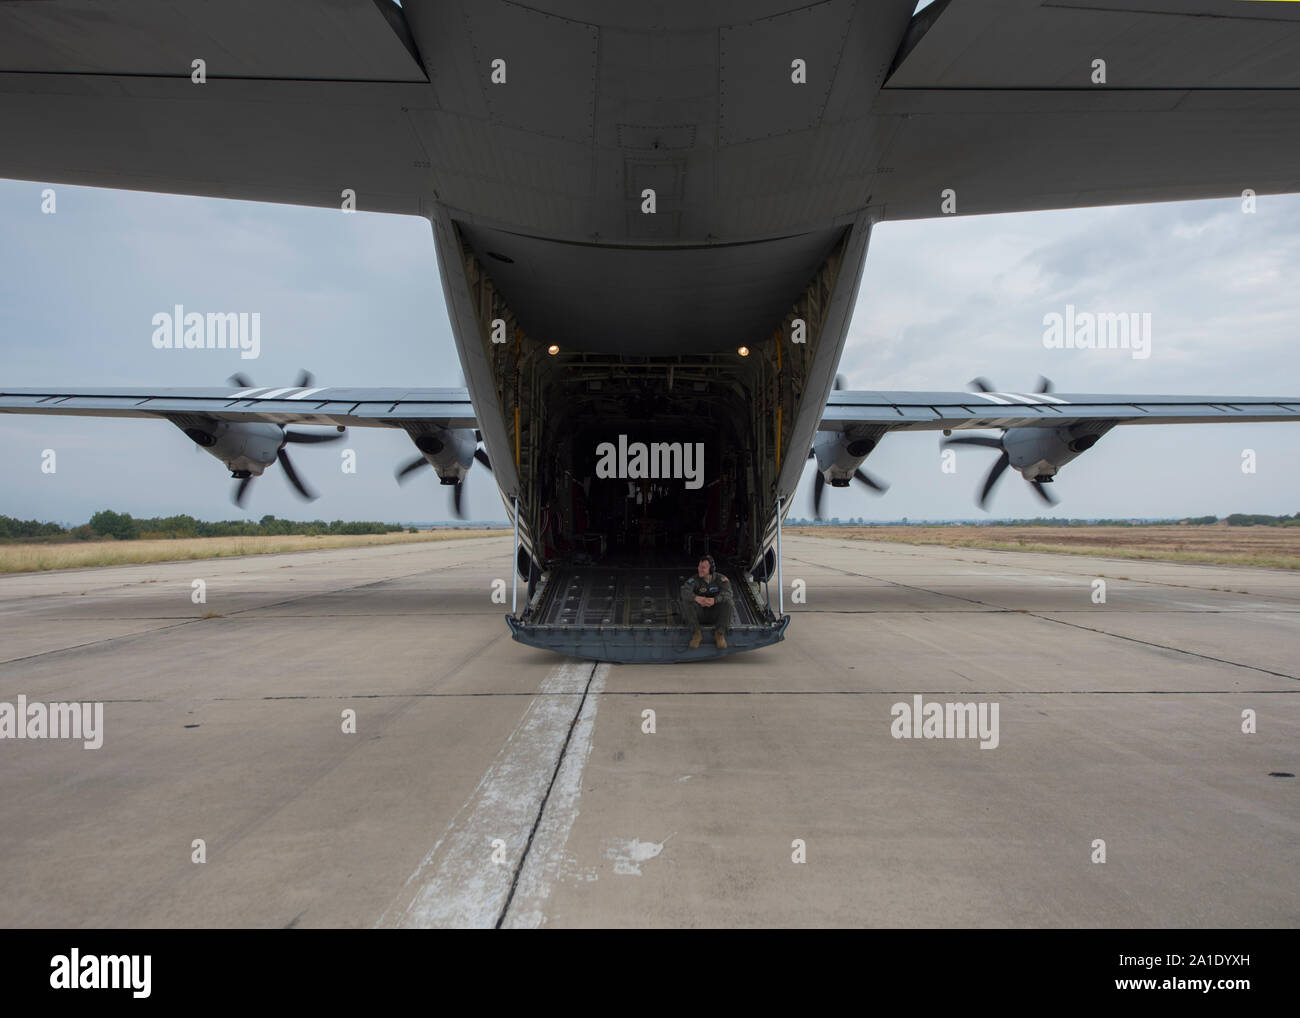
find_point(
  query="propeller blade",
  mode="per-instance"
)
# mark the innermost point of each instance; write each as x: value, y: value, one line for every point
x: 839, y: 382
x: 415, y: 464
x: 819, y: 485
x: 482, y: 457
x: 869, y: 481
x: 455, y: 500
x: 240, y: 490
x: 306, y: 379
x: 240, y: 380
x: 1043, y: 493
x: 1002, y: 463
x: 292, y: 474
x: 1044, y: 384
x: 980, y: 384
x: 981, y: 440
x: 312, y: 437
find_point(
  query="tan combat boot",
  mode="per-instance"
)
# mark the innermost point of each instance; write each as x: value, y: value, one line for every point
x: 719, y: 640
x: 696, y: 637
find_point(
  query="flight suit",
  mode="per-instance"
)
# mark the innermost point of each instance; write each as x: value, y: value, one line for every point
x: 716, y: 586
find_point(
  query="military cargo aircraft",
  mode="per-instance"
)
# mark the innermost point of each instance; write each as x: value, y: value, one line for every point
x: 651, y: 222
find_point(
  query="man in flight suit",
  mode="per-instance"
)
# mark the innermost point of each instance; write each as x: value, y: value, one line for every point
x: 706, y: 598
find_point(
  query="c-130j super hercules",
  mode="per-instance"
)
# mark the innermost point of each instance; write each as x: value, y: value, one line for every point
x: 651, y: 221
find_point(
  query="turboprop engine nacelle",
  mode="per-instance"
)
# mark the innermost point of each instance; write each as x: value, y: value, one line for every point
x: 450, y: 451
x: 840, y: 453
x: 246, y: 449
x: 1038, y: 453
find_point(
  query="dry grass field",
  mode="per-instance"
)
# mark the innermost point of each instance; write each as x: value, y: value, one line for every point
x: 1275, y: 547
x: 27, y: 558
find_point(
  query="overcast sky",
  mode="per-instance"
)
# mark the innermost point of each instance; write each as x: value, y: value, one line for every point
x: 357, y: 300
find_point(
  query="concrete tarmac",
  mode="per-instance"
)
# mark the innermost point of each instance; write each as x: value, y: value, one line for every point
x: 491, y: 784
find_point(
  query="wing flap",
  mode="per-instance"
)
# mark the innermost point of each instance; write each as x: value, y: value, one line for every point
x: 939, y: 411
x: 363, y: 408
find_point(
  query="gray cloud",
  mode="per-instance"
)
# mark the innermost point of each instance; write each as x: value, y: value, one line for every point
x: 357, y: 299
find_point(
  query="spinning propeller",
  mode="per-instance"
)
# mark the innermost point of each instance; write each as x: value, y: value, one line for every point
x: 835, y: 445
x: 453, y: 447
x: 305, y: 381
x: 1004, y: 459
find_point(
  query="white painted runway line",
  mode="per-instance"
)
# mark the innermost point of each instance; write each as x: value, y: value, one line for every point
x: 466, y: 879
x: 547, y: 861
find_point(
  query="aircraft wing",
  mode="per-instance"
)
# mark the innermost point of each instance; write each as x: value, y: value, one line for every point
x: 302, y: 100
x: 997, y: 101
x: 365, y: 408
x: 938, y: 411
x: 452, y: 408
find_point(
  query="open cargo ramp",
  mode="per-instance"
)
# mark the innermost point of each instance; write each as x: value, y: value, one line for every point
x: 631, y: 615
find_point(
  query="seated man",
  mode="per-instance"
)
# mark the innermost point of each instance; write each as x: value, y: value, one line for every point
x: 706, y: 598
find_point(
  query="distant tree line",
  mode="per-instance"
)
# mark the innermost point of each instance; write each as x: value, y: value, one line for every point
x: 12, y: 529
x: 1253, y: 519
x: 106, y: 524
